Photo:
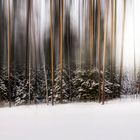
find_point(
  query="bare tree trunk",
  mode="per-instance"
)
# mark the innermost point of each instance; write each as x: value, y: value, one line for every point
x: 27, y: 36
x: 82, y: 46
x: 52, y: 52
x: 122, y: 46
x: 9, y: 50
x: 5, y: 32
x: 28, y: 48
x: 134, y: 43
x: 111, y: 46
x: 79, y: 35
x: 83, y: 34
x: 113, y: 41
x: 104, y: 50
x: 61, y: 46
x: 91, y: 28
x: 99, y: 55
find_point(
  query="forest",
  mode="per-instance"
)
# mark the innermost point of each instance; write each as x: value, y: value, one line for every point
x: 63, y: 51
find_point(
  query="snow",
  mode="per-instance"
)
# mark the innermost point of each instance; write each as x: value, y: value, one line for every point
x: 116, y: 120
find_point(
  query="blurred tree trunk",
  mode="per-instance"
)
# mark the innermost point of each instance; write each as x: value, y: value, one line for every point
x: 5, y: 33
x: 122, y: 46
x: 99, y: 55
x: 111, y: 46
x: 134, y: 43
x: 104, y: 50
x: 61, y: 6
x: 79, y: 35
x: 91, y: 30
x: 52, y: 52
x: 9, y: 51
x: 113, y: 40
x: 14, y: 7
x: 27, y: 38
x: 28, y: 47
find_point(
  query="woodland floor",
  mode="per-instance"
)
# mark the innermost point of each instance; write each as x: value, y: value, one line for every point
x: 116, y: 120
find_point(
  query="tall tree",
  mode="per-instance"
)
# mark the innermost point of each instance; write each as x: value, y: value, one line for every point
x: 5, y: 33
x: 52, y: 52
x: 79, y: 33
x: 113, y: 40
x: 28, y: 48
x: 27, y: 36
x: 91, y: 30
x: 9, y: 51
x: 134, y: 43
x: 122, y: 45
x: 99, y: 53
x: 104, y: 50
x: 61, y: 9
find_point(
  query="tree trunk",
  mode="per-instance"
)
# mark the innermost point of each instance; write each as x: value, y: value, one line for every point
x: 52, y: 52
x: 9, y: 50
x: 122, y: 46
x: 134, y: 43
x: 99, y: 55
x: 104, y: 51
x: 91, y: 30
x: 61, y: 3
x: 27, y: 37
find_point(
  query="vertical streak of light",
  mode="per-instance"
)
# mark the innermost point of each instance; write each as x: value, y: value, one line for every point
x: 114, y: 22
x: 99, y: 64
x: 112, y: 42
x: 69, y: 43
x: 91, y: 31
x: 83, y: 31
x: 52, y: 52
x: 44, y: 68
x: 61, y: 45
x: 5, y: 35
x: 79, y: 33
x: 134, y: 43
x: 104, y: 50
x: 9, y: 39
x: 114, y: 36
x: 29, y: 49
x: 27, y: 36
x: 122, y: 45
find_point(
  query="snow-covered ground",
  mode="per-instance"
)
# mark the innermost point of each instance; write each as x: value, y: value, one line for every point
x: 116, y: 120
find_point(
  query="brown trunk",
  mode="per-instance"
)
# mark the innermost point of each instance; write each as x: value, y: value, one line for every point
x: 29, y: 31
x: 61, y: 2
x: 52, y: 52
x: 122, y: 45
x: 99, y: 55
x: 111, y: 46
x: 91, y: 27
x: 104, y: 51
